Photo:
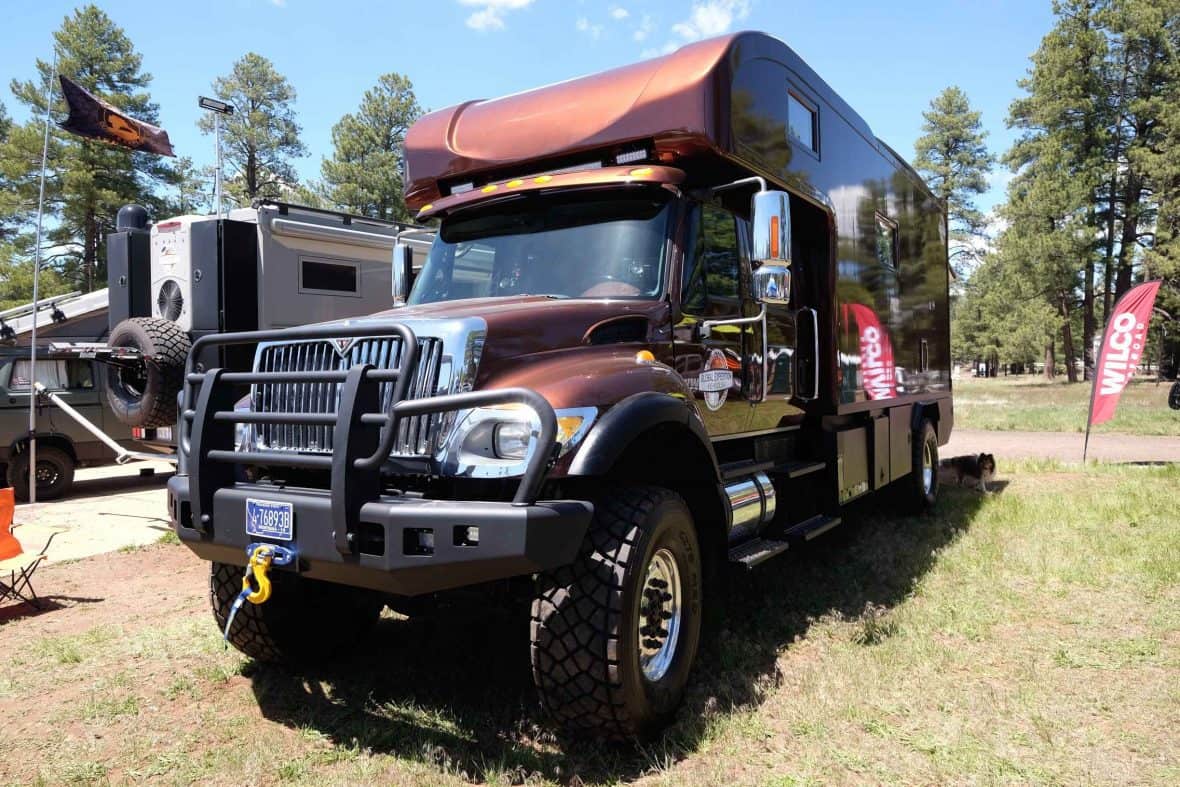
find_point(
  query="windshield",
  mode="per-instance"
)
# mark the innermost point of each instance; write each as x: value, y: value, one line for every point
x: 588, y: 245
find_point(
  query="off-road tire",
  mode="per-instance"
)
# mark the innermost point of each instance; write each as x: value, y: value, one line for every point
x: 1174, y: 396
x: 585, y: 643
x: 304, y: 621
x: 147, y: 397
x: 60, y: 463
x: 914, y: 495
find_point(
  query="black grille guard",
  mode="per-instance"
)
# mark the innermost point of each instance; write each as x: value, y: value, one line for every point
x: 364, y: 435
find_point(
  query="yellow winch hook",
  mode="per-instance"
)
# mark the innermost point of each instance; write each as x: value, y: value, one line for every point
x: 258, y: 567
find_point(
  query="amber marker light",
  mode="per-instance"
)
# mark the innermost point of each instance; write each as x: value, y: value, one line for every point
x: 489, y: 189
x: 514, y: 183
x: 644, y: 356
x: 542, y: 179
x: 642, y: 172
x: 774, y: 237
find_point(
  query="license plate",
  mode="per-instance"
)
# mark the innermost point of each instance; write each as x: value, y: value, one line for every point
x: 270, y: 519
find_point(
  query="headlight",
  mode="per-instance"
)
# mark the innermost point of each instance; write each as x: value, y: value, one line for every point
x: 510, y: 439
x: 492, y: 442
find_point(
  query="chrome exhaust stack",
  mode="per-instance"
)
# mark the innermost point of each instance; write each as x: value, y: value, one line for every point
x: 752, y: 503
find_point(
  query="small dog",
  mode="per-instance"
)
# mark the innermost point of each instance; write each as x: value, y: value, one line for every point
x: 970, y: 471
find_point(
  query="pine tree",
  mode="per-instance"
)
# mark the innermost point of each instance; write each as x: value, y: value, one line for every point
x: 261, y: 137
x: 88, y: 181
x: 953, y: 158
x: 364, y: 174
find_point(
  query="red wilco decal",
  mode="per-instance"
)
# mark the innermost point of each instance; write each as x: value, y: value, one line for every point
x: 1122, y: 346
x: 876, y: 353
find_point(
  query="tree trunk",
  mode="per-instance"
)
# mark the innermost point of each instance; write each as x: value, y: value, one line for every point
x: 88, y: 249
x: 1128, y: 238
x: 1088, y: 318
x: 1050, y: 360
x: 1067, y: 350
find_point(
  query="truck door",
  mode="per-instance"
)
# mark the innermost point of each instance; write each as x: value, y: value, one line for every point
x: 713, y: 288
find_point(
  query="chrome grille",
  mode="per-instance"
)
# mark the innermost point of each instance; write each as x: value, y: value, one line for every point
x: 416, y: 435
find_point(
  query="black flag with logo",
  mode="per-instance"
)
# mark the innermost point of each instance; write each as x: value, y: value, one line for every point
x: 94, y: 118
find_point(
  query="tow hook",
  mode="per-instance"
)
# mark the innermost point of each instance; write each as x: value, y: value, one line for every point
x: 261, y: 557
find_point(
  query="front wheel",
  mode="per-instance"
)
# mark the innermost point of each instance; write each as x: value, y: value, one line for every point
x: 615, y: 634
x: 304, y: 621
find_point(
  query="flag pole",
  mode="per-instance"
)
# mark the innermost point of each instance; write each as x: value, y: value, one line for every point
x: 32, y: 481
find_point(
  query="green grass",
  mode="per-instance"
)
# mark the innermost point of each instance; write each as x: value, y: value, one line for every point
x: 1032, y: 635
x: 1029, y: 403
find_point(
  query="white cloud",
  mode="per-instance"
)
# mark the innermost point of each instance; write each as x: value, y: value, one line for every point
x: 646, y: 25
x: 490, y: 14
x: 584, y: 26
x: 618, y: 13
x: 711, y: 18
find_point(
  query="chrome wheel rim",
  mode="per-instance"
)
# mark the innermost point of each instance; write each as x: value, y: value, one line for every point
x: 659, y: 615
x: 927, y: 468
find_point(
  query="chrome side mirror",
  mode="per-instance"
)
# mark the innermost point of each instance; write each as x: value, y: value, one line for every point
x: 770, y: 213
x: 772, y: 284
x: 403, y: 272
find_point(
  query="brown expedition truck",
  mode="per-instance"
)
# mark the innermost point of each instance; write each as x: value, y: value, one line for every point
x: 677, y: 315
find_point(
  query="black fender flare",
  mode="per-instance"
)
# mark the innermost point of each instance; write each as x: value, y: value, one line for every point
x: 943, y: 421
x: 628, y: 419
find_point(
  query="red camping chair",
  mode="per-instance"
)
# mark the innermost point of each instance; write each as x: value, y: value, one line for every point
x: 17, y: 566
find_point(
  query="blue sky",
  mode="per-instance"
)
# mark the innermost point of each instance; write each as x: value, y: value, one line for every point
x: 887, y: 59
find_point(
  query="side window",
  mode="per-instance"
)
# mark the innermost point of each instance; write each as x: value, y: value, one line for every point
x: 801, y: 117
x: 75, y: 375
x: 713, y: 268
x: 886, y: 242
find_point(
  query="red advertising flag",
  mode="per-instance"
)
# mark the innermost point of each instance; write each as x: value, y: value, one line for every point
x: 1122, y: 345
x: 876, y: 354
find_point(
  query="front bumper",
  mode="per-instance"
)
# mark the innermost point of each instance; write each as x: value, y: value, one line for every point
x: 513, y: 540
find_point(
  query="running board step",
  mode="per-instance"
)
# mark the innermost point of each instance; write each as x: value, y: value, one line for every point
x: 810, y: 528
x: 743, y: 468
x: 800, y: 469
x: 756, y: 551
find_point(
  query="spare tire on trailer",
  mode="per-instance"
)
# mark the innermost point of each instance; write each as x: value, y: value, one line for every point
x: 145, y: 395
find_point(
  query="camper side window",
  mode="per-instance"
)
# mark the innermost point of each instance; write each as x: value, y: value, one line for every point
x: 712, y: 267
x: 68, y: 375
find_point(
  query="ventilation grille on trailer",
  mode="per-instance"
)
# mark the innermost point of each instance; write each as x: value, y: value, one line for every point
x: 170, y: 301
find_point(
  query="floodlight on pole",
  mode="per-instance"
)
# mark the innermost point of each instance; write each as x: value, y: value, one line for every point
x: 218, y: 108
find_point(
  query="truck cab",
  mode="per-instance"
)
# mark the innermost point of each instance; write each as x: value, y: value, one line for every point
x: 677, y: 328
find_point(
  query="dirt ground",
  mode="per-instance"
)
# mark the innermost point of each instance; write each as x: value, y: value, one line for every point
x: 1065, y: 446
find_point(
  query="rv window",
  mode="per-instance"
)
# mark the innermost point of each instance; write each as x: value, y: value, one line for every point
x: 801, y: 118
x: 71, y: 375
x: 328, y: 277
x: 886, y: 242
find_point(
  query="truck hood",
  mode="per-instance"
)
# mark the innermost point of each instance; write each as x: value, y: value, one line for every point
x: 533, y: 324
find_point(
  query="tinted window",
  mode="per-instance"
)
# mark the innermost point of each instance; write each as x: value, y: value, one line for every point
x: 67, y: 375
x: 713, y: 268
x: 329, y: 276
x: 801, y: 118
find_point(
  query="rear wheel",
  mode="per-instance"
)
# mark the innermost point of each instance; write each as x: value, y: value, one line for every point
x: 55, y: 473
x: 615, y: 634
x: 305, y: 620
x: 918, y: 491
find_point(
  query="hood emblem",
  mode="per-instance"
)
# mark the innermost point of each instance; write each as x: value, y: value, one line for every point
x: 343, y: 346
